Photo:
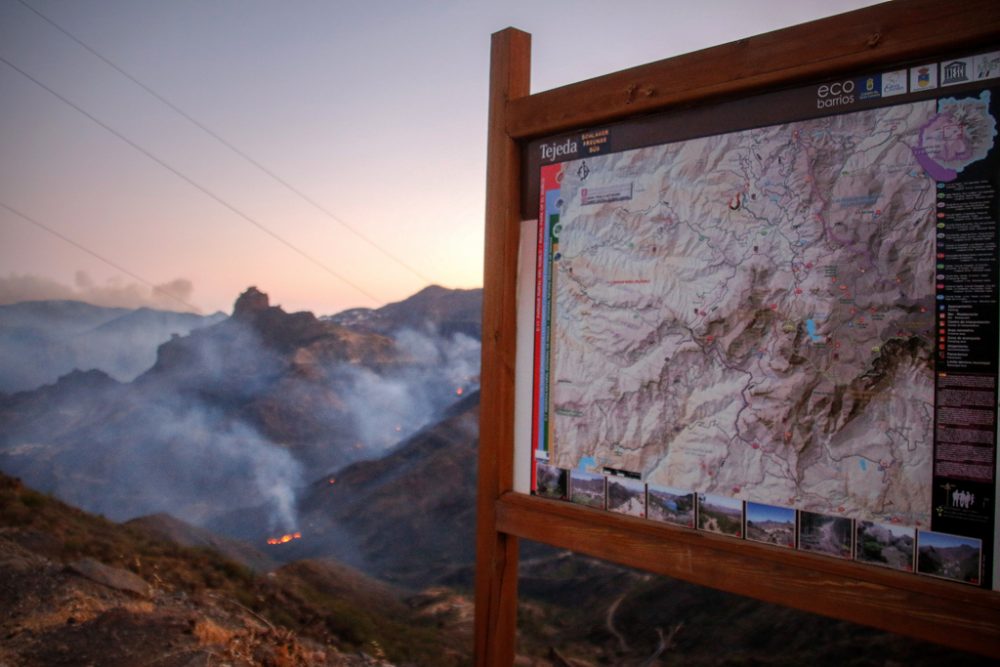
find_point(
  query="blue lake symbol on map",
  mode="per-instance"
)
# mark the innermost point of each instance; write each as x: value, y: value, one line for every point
x: 864, y: 465
x: 587, y: 463
x: 811, y: 329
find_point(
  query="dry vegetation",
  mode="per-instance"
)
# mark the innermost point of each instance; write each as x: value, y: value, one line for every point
x: 80, y: 590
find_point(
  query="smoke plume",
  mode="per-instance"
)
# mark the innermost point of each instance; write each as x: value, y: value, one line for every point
x: 390, y: 406
x: 115, y: 293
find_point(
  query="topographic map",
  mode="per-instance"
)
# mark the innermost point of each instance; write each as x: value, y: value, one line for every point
x: 752, y: 314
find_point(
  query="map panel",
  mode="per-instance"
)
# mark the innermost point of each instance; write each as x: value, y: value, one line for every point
x: 754, y: 314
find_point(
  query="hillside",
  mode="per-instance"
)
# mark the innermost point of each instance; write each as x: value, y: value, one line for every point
x: 78, y: 589
x: 408, y: 517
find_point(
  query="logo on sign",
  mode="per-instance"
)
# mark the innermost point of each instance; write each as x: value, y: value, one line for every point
x: 871, y: 87
x: 954, y: 72
x: 835, y: 94
x: 893, y: 83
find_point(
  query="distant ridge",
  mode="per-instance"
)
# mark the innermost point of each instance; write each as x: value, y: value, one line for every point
x: 449, y: 310
x: 43, y: 340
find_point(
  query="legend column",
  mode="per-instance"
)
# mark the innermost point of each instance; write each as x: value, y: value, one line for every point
x: 966, y: 277
x: 966, y: 350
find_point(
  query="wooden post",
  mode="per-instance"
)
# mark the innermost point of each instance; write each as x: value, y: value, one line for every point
x: 496, y: 552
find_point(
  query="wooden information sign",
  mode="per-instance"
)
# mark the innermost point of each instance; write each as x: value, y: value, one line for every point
x: 741, y: 325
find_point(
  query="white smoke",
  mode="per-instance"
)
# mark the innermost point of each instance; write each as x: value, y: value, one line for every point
x: 115, y: 293
x: 390, y: 406
x: 198, y: 437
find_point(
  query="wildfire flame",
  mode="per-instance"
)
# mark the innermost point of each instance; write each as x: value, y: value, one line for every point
x: 285, y: 539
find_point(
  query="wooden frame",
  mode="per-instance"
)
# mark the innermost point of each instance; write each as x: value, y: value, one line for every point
x: 962, y: 617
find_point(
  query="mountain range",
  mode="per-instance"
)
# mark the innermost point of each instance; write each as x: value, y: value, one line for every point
x: 240, y: 412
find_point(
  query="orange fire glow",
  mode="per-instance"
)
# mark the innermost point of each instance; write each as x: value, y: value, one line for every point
x: 459, y: 391
x: 285, y: 539
x: 332, y: 480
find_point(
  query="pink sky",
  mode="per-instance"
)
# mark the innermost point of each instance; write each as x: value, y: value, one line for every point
x: 375, y: 110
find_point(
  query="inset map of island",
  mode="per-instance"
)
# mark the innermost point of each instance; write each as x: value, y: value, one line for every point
x: 962, y: 132
x: 752, y: 314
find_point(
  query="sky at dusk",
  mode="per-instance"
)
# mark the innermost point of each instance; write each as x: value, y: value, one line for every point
x: 376, y: 111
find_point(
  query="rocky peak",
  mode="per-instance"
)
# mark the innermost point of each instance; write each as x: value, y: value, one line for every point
x: 251, y: 302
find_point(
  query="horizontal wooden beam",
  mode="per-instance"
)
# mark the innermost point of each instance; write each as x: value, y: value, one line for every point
x: 867, y: 38
x: 949, y: 613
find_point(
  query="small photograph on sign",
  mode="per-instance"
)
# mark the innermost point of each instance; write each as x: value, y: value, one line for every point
x: 551, y: 481
x: 885, y: 544
x: 586, y: 489
x: 827, y: 535
x: 627, y: 496
x: 771, y: 525
x: 671, y: 506
x: 949, y: 556
x: 718, y: 514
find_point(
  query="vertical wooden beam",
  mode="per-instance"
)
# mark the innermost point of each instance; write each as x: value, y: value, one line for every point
x: 496, y: 552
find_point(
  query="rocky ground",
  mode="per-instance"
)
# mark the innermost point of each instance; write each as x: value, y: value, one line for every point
x: 80, y: 590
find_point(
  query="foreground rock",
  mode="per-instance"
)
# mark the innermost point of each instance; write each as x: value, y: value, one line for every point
x: 79, y: 590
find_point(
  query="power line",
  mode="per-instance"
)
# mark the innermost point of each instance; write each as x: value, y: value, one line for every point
x: 259, y: 225
x: 154, y: 287
x: 230, y: 146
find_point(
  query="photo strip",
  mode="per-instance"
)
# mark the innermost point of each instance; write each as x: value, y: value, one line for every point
x: 721, y: 515
x: 771, y: 524
x: 670, y: 505
x: 950, y: 556
x: 827, y: 535
x: 551, y: 481
x: 627, y: 496
x: 885, y: 544
x: 587, y: 489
